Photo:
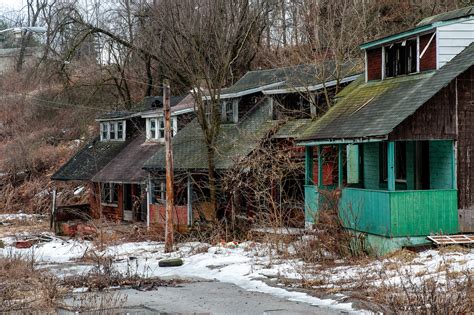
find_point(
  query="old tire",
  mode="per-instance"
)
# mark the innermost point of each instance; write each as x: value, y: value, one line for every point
x: 174, y: 262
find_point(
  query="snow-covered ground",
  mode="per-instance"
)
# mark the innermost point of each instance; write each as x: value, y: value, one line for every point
x: 251, y: 266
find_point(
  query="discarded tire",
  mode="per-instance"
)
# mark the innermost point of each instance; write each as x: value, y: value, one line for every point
x: 174, y: 262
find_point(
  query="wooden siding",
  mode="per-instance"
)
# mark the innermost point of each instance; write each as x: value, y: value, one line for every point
x: 399, y: 213
x: 441, y: 164
x: 436, y: 119
x: 311, y: 197
x: 465, y: 144
x: 452, y: 39
x: 366, y: 210
x: 428, y: 62
x: 113, y: 213
x: 374, y: 64
x: 370, y: 167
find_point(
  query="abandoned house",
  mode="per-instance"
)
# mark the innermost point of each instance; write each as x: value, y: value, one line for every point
x: 111, y: 164
x: 273, y: 103
x: 405, y: 137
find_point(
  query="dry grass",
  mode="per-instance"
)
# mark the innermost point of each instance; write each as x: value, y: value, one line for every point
x: 23, y: 287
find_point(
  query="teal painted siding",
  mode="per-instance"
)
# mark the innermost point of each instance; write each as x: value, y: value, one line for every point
x: 366, y: 210
x: 311, y: 197
x: 400, y: 213
x: 371, y: 165
x: 352, y: 164
x: 441, y: 164
x: 423, y: 212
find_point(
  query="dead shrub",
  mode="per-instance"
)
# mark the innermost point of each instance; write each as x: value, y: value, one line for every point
x: 23, y: 287
x: 443, y: 293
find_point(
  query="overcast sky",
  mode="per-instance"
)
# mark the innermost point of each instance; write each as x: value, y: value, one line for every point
x: 9, y: 5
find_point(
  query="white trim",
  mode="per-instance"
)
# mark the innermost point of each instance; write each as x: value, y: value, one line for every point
x: 158, y: 120
x: 382, y: 75
x: 109, y: 124
x: 366, y: 73
x: 437, y: 48
x: 418, y: 56
x: 160, y: 114
x: 310, y: 88
x: 245, y: 92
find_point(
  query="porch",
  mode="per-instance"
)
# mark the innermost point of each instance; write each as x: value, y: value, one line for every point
x: 388, y: 188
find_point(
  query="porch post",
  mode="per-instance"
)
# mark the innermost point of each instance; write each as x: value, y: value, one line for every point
x: 190, y: 192
x: 148, y: 200
x: 340, y: 173
x: 308, y: 165
x: 454, y: 168
x: 320, y: 166
x: 391, y: 165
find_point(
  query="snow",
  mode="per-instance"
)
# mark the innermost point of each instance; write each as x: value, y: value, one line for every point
x: 78, y: 190
x: 18, y: 216
x: 249, y: 265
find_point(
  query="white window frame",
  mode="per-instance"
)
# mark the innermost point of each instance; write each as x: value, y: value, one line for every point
x: 107, y: 128
x: 158, y: 187
x: 229, y: 111
x: 158, y: 133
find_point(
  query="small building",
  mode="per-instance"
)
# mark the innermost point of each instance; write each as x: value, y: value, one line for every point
x: 405, y: 137
x: 111, y: 164
x: 273, y: 102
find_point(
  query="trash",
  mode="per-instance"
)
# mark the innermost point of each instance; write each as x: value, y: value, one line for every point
x: 23, y: 244
x: 231, y: 245
x: 173, y: 262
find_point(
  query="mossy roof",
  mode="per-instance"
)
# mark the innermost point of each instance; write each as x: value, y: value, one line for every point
x: 235, y: 141
x: 375, y: 108
x: 89, y: 160
x: 451, y: 15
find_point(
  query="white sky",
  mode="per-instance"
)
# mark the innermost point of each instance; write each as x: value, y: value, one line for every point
x: 11, y: 5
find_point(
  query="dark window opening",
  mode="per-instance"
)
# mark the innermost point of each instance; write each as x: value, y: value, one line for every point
x: 400, y: 58
x: 109, y: 193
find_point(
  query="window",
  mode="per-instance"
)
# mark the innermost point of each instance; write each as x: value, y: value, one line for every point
x: 401, y: 58
x: 109, y: 193
x: 229, y: 109
x: 156, y: 128
x: 158, y: 192
x: 400, y: 162
x: 112, y: 130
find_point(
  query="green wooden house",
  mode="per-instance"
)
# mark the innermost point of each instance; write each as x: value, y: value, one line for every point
x: 404, y: 136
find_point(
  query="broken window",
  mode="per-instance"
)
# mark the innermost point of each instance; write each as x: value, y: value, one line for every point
x: 400, y: 161
x: 109, y: 193
x: 158, y: 192
x: 229, y: 109
x: 400, y: 58
x: 119, y: 130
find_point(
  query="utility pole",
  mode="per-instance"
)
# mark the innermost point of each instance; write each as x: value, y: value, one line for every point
x: 169, y: 169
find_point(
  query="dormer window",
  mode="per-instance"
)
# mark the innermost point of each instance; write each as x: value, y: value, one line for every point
x: 230, y: 111
x: 155, y: 128
x: 401, y: 58
x: 112, y: 130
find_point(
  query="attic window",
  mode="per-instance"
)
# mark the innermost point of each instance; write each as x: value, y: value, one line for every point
x: 401, y: 58
x: 229, y: 111
x: 112, y: 131
x: 155, y: 128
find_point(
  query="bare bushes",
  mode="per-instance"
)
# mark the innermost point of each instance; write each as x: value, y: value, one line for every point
x: 22, y: 286
x: 443, y: 293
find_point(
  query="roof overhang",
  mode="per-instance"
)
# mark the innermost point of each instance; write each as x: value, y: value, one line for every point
x: 246, y: 92
x: 342, y: 141
x: 311, y: 88
x: 414, y: 31
x: 118, y: 118
x: 153, y: 114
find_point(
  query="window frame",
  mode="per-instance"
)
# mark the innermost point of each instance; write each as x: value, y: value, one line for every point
x: 109, y: 128
x: 409, y: 67
x: 158, y: 187
x: 109, y: 194
x: 158, y: 132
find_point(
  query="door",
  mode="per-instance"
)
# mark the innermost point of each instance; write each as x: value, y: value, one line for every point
x: 127, y: 202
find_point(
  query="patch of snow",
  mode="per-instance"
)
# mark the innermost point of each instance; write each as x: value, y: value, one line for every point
x: 78, y: 190
x: 18, y: 216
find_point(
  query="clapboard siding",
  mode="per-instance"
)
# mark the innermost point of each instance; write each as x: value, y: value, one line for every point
x: 374, y: 64
x: 452, y: 39
x: 371, y: 165
x: 441, y: 164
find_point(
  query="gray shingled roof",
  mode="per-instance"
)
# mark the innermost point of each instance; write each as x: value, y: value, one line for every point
x: 289, y: 77
x: 126, y: 167
x: 89, y: 160
x: 235, y: 141
x: 375, y: 108
x: 451, y: 15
